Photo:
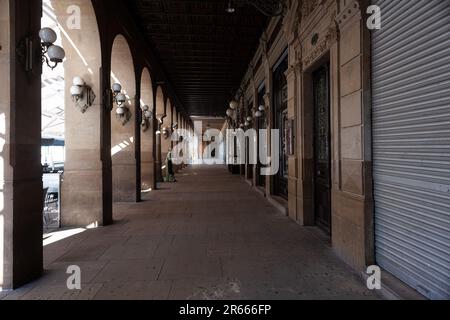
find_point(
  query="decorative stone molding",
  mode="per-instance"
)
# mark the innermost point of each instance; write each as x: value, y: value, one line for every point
x: 292, y: 21
x: 308, y: 6
x: 347, y: 13
x: 298, y: 66
x: 264, y: 49
x: 296, y: 53
x: 290, y: 72
x: 333, y: 33
x: 331, y: 37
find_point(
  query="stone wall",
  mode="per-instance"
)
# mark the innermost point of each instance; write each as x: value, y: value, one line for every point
x: 316, y: 32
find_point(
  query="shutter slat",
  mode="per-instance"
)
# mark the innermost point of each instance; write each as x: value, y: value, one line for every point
x: 411, y: 143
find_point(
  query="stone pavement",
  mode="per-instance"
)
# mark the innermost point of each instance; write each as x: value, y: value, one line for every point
x: 209, y: 236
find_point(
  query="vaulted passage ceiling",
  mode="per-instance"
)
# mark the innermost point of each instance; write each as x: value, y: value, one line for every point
x: 204, y: 50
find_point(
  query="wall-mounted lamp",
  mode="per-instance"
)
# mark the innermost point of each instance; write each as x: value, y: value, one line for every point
x: 230, y: 9
x: 147, y: 116
x: 119, y: 97
x: 234, y: 105
x: 165, y: 132
x: 52, y: 54
x: 248, y: 121
x: 147, y: 113
x: 82, y: 95
x: 260, y: 112
x: 122, y: 112
x: 160, y: 118
x: 49, y: 53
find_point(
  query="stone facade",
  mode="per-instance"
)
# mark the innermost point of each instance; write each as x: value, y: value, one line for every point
x: 317, y: 32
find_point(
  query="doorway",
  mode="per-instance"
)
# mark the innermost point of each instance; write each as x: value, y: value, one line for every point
x: 322, y: 148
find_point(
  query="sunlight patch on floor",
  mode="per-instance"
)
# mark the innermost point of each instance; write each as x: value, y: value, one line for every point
x: 56, y: 236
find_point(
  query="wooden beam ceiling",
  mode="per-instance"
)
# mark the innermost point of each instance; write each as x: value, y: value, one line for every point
x: 204, y: 50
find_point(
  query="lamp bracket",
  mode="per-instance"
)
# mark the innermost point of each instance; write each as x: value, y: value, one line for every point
x: 145, y: 124
x: 126, y: 117
x: 86, y: 100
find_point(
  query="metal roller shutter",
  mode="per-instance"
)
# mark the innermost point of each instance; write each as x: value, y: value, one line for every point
x: 411, y: 143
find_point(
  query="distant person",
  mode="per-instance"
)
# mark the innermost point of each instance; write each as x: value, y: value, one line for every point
x: 170, y: 172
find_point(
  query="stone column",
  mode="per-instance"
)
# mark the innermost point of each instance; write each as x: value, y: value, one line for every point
x: 21, y: 199
x: 147, y: 135
x: 176, y: 168
x: 160, y: 114
x: 254, y: 91
x: 242, y: 167
x: 158, y: 163
x: 166, y: 142
x: 292, y: 75
x: 268, y: 105
x: 123, y: 134
x: 183, y: 123
x: 352, y: 187
x: 269, y: 127
x: 82, y: 186
x: 249, y: 168
x: 148, y: 157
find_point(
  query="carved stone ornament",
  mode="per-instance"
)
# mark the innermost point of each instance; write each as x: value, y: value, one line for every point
x: 319, y: 49
x: 347, y: 13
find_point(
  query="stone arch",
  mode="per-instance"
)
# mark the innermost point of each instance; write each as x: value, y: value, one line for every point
x: 123, y: 127
x: 147, y: 134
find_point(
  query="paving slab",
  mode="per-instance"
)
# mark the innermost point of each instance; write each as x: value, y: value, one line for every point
x: 208, y: 236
